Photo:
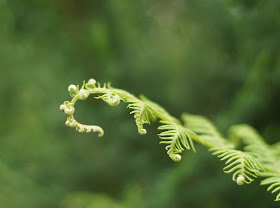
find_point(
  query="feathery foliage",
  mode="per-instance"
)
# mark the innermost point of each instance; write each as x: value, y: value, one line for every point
x: 176, y: 137
x: 244, y: 165
x: 142, y: 114
x: 274, y: 181
x: 256, y: 158
x: 255, y: 145
x: 204, y: 129
x: 159, y: 111
x: 110, y: 98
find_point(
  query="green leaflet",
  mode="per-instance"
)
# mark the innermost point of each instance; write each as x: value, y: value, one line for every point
x: 176, y: 137
x: 245, y: 133
x: 158, y: 110
x: 142, y: 114
x: 204, y: 129
x: 110, y: 98
x: 276, y: 148
x: 255, y: 145
x: 274, y: 181
x: 240, y: 163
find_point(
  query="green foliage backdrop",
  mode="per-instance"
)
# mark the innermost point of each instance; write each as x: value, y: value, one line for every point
x: 219, y: 58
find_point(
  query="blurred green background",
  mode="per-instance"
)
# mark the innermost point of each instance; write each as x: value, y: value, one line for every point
x: 219, y: 59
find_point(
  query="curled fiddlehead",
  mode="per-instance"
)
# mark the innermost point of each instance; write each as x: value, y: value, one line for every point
x: 176, y: 136
x: 256, y: 159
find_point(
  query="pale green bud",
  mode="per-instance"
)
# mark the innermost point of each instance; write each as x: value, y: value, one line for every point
x: 83, y: 94
x: 67, y: 123
x: 115, y: 100
x: 69, y: 110
x: 240, y: 180
x: 142, y: 131
x: 72, y: 88
x: 176, y: 157
x: 62, y: 107
x: 91, y: 83
x: 72, y: 124
x: 81, y: 129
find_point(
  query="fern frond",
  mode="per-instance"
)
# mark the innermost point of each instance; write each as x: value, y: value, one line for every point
x: 110, y: 98
x: 258, y: 157
x: 244, y: 165
x: 176, y: 137
x: 142, y: 114
x: 266, y: 155
x: 255, y: 145
x: 274, y: 181
x: 71, y: 122
x: 158, y: 110
x: 204, y: 129
x: 276, y: 148
x: 245, y: 133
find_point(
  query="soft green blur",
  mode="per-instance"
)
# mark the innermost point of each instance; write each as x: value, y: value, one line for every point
x: 218, y: 58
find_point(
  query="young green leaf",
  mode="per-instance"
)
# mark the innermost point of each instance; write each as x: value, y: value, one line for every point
x: 274, y: 181
x: 142, y: 113
x: 243, y: 165
x: 176, y: 137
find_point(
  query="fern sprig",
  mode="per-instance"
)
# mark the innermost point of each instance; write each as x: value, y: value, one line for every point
x: 256, y: 158
x: 243, y: 165
x: 255, y: 145
x: 159, y: 111
x: 273, y: 181
x: 110, y: 98
x: 204, y: 129
x: 142, y: 113
x: 176, y: 137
